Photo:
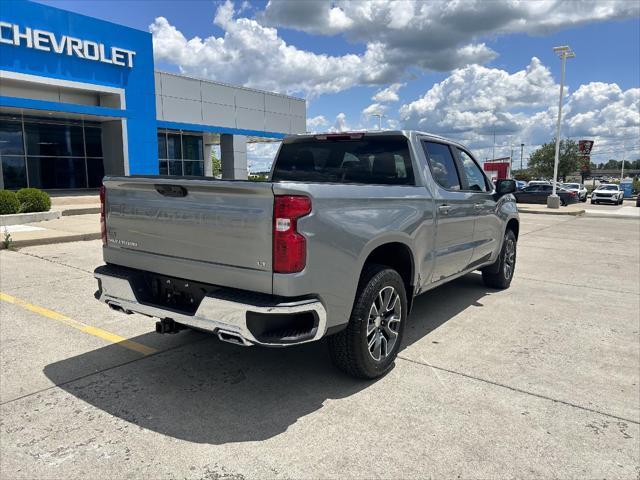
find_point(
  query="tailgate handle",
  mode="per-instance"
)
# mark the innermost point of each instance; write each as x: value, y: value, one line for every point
x: 171, y: 190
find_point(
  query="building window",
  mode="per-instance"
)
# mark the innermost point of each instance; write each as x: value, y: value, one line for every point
x: 180, y: 154
x: 50, y: 153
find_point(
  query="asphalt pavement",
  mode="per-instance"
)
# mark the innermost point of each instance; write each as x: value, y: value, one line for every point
x: 541, y: 380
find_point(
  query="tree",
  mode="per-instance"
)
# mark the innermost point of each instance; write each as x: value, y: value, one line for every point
x: 216, y: 165
x: 541, y: 160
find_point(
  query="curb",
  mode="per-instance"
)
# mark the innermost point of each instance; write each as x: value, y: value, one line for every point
x: 22, y: 218
x: 80, y: 211
x: 604, y: 215
x: 79, y: 237
x: 575, y: 213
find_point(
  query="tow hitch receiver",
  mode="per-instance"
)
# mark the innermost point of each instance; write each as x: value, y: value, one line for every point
x: 167, y: 325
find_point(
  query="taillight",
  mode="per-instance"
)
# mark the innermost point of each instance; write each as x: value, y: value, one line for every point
x: 289, y: 247
x: 103, y: 220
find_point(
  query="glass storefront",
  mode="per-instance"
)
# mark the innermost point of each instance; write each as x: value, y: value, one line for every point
x: 180, y: 153
x: 50, y: 153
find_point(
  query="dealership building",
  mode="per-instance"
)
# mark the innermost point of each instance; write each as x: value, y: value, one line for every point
x: 80, y: 98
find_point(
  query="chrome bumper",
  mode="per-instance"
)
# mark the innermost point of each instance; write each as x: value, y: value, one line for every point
x: 226, y: 317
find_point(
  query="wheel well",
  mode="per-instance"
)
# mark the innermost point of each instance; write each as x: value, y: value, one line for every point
x: 399, y: 257
x: 514, y: 226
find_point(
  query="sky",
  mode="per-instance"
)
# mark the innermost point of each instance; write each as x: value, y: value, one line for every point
x: 463, y: 69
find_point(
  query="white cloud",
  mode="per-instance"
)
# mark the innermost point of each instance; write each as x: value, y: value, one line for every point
x: 521, y: 107
x: 255, y: 56
x: 373, y: 109
x: 438, y: 34
x: 400, y: 37
x: 260, y: 156
x: 316, y: 122
x: 389, y: 94
x: 340, y: 124
x: 476, y: 98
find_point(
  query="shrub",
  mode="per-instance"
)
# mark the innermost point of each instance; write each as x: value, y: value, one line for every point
x: 9, y: 202
x: 33, y: 200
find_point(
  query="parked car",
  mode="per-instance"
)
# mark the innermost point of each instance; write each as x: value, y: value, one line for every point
x: 347, y: 231
x: 538, y: 182
x: 638, y: 200
x: 520, y: 184
x: 538, y: 193
x: 608, y: 193
x: 577, y: 188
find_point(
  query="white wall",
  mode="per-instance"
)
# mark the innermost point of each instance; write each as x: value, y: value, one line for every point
x: 188, y: 100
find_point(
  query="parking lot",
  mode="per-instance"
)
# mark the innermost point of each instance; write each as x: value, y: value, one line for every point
x: 538, y: 380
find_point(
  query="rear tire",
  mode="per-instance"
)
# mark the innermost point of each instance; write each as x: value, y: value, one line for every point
x: 369, y: 345
x: 499, y: 274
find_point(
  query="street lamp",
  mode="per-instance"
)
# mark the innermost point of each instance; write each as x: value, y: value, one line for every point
x: 379, y: 115
x: 564, y: 52
x: 521, y: 152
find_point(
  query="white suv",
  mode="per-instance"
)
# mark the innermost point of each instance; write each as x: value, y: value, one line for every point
x: 608, y: 192
x: 578, y: 189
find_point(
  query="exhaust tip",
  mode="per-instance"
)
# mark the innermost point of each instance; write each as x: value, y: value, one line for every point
x: 232, y: 337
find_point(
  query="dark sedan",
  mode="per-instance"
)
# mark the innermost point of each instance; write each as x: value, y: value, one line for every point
x: 539, y: 194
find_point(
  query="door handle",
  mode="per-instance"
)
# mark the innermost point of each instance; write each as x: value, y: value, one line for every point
x: 444, y: 209
x: 477, y: 206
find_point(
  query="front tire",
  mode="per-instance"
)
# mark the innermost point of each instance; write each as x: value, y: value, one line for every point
x: 369, y: 345
x: 500, y: 274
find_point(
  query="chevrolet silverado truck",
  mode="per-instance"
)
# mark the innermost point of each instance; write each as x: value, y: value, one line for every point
x: 346, y: 232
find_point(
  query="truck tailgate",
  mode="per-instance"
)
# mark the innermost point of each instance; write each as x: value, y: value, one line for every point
x: 213, y: 231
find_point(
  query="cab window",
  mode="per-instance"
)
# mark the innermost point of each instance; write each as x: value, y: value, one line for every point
x: 442, y: 166
x: 475, y: 179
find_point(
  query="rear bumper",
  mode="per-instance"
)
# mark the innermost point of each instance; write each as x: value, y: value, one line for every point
x: 234, y: 315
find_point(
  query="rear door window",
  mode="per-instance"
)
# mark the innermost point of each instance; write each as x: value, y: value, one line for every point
x: 473, y: 176
x: 381, y: 160
x: 443, y: 167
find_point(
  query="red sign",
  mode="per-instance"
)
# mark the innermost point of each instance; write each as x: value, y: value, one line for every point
x: 585, y: 147
x: 497, y: 170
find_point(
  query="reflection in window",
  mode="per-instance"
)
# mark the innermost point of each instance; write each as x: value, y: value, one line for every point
x: 180, y: 154
x: 475, y: 177
x: 162, y: 145
x: 11, y: 138
x: 93, y: 141
x: 60, y: 153
x: 192, y: 147
x: 194, y: 168
x: 56, y: 172
x: 174, y: 149
x: 51, y: 140
x: 442, y: 165
x: 175, y: 167
x: 14, y: 172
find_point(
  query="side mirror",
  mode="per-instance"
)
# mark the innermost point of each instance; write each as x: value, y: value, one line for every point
x: 505, y: 186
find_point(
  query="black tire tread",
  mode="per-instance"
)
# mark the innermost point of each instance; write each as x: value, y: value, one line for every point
x: 343, y: 345
x: 494, y: 277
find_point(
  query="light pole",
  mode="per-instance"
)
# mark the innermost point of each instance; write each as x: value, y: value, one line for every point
x: 622, y: 171
x: 553, y: 201
x: 379, y: 115
x: 521, y: 152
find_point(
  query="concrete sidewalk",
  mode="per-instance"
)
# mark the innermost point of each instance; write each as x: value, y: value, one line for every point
x: 65, y: 229
x: 575, y: 209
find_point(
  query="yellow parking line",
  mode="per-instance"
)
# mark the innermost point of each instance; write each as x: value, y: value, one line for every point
x: 83, y: 327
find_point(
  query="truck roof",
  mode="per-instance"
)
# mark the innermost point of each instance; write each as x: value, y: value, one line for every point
x: 405, y: 133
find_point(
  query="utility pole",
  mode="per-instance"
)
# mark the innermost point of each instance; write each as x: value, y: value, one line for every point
x: 553, y: 201
x: 521, y: 153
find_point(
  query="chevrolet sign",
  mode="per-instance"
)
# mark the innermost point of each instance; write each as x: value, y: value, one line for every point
x: 12, y: 34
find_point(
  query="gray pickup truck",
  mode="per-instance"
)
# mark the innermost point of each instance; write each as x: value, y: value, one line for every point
x: 347, y: 231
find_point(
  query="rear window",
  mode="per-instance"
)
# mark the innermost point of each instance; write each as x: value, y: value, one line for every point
x: 368, y: 160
